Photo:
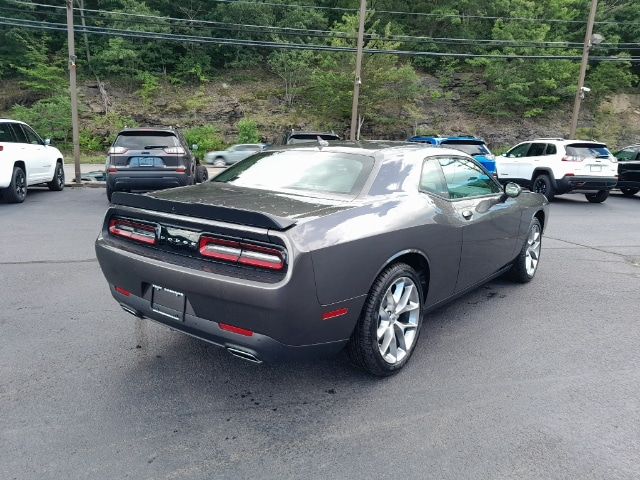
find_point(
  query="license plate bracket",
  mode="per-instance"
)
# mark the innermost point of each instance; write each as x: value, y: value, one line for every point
x: 168, y: 303
x: 596, y: 168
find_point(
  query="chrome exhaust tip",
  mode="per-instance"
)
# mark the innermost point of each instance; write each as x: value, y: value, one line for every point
x: 249, y: 357
x: 130, y: 310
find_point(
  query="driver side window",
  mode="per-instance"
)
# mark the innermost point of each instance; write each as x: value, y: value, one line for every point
x: 519, y: 151
x: 465, y: 179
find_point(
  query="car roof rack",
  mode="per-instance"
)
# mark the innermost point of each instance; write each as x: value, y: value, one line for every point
x: 549, y: 138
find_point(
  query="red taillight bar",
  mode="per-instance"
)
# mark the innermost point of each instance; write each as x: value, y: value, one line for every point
x: 1, y: 147
x: 135, y: 231
x: 335, y: 314
x: 238, y: 330
x: 242, y: 253
x: 122, y: 291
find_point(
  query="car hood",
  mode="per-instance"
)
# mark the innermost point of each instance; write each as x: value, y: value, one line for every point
x: 277, y: 204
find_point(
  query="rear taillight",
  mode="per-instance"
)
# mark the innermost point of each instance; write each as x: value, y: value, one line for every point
x: 117, y: 150
x: 177, y: 150
x: 181, y: 169
x: 572, y: 158
x: 1, y: 148
x: 242, y: 253
x: 138, y: 232
x: 112, y: 169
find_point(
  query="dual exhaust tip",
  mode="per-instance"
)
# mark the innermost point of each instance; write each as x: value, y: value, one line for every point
x: 236, y: 352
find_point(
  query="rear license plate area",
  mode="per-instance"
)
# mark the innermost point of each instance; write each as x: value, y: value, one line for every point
x: 596, y: 168
x: 167, y: 302
x: 135, y: 162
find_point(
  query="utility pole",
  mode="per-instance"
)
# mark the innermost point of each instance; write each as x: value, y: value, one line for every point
x: 73, y: 90
x: 358, y: 82
x: 583, y: 68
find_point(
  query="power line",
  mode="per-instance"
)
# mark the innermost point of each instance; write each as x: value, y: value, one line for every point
x: 461, y: 16
x: 293, y: 46
x: 246, y: 28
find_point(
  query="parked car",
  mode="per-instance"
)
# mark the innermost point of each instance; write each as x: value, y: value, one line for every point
x: 143, y: 159
x: 555, y: 166
x: 629, y: 170
x: 27, y: 160
x: 233, y: 154
x: 302, y: 251
x: 292, y: 137
x: 94, y: 176
x: 474, y: 146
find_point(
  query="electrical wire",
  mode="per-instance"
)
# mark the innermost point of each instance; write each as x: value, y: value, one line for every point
x: 294, y: 46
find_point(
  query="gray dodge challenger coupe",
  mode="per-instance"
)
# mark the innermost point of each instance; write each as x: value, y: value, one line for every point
x: 299, y: 252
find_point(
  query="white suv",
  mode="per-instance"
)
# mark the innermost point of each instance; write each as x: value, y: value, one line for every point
x: 26, y: 160
x: 553, y: 166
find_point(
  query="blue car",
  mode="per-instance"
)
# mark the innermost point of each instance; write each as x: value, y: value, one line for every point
x: 472, y: 145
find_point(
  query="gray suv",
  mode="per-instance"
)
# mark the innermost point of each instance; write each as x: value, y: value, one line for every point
x: 143, y: 159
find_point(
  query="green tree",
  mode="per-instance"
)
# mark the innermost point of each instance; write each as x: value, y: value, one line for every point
x: 248, y: 131
x: 50, y: 117
x: 207, y: 138
x: 293, y: 67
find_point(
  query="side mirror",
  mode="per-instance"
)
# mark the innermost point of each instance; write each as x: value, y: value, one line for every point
x: 47, y: 142
x: 512, y: 190
x: 194, y: 147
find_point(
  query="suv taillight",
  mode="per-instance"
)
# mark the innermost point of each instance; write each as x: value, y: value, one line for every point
x: 138, y: 232
x: 241, y: 253
x: 178, y: 150
x: 572, y: 158
x: 117, y: 150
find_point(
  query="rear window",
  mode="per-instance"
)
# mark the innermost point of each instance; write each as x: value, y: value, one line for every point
x: 308, y: 137
x: 470, y: 148
x: 588, y: 150
x: 310, y: 171
x: 146, y: 140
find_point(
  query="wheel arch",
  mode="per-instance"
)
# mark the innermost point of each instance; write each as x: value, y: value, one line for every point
x: 22, y: 164
x: 417, y: 260
x: 546, y: 170
x: 541, y: 218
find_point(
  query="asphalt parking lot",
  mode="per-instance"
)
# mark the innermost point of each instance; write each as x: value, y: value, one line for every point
x: 510, y: 381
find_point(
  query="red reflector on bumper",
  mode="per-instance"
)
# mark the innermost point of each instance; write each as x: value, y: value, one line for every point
x: 238, y: 330
x: 122, y: 291
x: 336, y: 313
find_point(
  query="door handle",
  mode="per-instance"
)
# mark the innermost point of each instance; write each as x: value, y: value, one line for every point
x: 467, y: 214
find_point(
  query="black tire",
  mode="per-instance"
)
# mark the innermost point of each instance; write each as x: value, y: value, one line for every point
x: 519, y: 271
x: 598, y: 197
x: 202, y: 174
x: 57, y: 184
x: 16, y: 192
x: 542, y: 184
x: 109, y: 192
x: 629, y: 192
x: 363, y: 348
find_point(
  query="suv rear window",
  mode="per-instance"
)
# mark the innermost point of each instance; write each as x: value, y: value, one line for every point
x: 146, y: 140
x: 311, y: 171
x: 310, y: 137
x: 6, y: 134
x: 588, y: 150
x: 470, y: 148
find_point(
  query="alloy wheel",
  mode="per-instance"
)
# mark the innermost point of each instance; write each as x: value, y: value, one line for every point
x: 540, y: 186
x: 534, y: 244
x: 398, y: 319
x: 21, y: 185
x: 60, y: 176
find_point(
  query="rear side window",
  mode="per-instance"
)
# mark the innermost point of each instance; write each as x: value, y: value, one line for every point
x: 311, y: 171
x: 471, y: 148
x: 146, y: 140
x: 537, y: 149
x: 18, y: 133
x: 519, y: 151
x: 6, y: 133
x: 551, y: 149
x: 432, y: 179
x: 588, y: 150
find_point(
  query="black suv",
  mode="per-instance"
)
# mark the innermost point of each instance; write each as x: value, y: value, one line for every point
x: 143, y: 159
x: 294, y: 137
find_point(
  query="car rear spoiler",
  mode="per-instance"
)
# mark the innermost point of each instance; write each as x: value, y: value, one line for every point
x: 199, y: 210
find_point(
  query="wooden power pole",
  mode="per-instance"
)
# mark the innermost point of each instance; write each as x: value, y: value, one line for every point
x: 73, y: 90
x: 583, y: 68
x: 358, y: 81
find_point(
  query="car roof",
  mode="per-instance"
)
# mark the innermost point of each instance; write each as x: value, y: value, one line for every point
x: 442, y: 139
x: 563, y: 141
x: 148, y: 129
x: 8, y: 120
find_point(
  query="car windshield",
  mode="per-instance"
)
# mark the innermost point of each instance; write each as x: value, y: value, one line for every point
x: 312, y: 171
x: 586, y: 150
x: 146, y: 140
x: 311, y: 137
x: 467, y: 147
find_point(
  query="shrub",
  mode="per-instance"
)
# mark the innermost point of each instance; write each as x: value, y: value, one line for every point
x: 206, y: 137
x: 248, y: 131
x: 50, y: 117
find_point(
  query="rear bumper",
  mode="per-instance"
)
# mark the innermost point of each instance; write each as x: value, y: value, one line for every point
x: 147, y: 180
x: 585, y: 183
x: 628, y: 184
x: 285, y: 317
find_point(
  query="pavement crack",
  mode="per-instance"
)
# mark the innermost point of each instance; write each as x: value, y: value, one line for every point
x: 36, y: 262
x: 627, y: 258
